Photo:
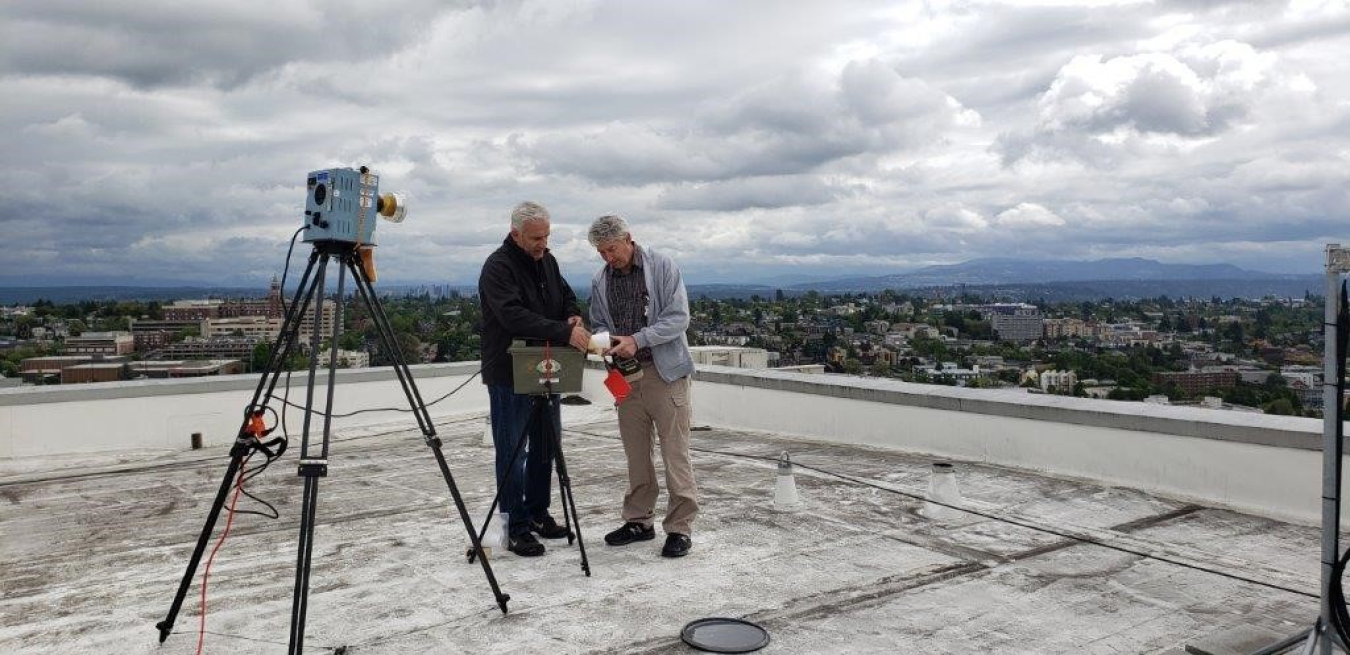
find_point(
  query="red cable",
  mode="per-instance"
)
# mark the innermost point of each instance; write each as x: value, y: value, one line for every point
x: 238, y: 487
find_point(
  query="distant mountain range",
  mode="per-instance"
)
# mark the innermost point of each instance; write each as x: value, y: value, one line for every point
x: 76, y: 293
x: 1011, y: 278
x: 1055, y: 280
x: 73, y: 293
x: 1017, y: 271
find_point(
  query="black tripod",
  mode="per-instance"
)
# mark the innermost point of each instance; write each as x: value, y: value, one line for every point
x: 543, y: 407
x: 315, y: 465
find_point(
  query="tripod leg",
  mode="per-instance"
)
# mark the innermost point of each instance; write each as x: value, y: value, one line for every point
x: 404, y: 375
x: 311, y: 470
x: 563, y: 488
x: 300, y: 601
x: 166, y: 626
x: 565, y: 483
x: 1313, y: 638
x: 237, y: 454
x: 502, y: 598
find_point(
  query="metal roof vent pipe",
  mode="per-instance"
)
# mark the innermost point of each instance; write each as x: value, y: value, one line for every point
x: 942, y: 493
x: 785, y: 498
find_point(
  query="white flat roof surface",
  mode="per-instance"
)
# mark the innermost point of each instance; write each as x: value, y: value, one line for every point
x: 92, y: 550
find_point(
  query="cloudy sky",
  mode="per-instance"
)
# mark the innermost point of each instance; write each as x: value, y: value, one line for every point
x: 160, y: 140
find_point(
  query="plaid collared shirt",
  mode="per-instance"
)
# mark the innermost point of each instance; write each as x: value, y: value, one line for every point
x: 628, y: 301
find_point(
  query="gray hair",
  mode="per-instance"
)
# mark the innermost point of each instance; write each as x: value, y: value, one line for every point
x: 607, y: 228
x: 527, y: 211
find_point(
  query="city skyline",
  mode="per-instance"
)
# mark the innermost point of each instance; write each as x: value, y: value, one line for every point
x: 750, y: 140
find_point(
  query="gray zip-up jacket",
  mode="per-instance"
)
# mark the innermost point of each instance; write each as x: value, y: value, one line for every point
x: 667, y: 313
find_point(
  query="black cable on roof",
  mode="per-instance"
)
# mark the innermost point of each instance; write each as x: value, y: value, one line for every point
x: 1001, y: 519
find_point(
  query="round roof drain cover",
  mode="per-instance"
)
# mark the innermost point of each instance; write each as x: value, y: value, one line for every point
x: 722, y: 635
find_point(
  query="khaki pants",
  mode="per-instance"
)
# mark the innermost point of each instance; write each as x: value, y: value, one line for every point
x: 658, y: 408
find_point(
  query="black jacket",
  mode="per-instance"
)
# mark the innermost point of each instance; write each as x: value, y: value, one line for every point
x: 521, y: 299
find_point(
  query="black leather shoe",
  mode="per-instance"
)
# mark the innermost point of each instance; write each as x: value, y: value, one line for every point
x: 630, y: 532
x: 524, y: 545
x: 547, y: 528
x: 677, y: 545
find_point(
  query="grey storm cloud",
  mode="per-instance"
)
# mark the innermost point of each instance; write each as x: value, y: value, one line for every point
x: 748, y: 193
x: 790, y: 125
x: 161, y: 42
x: 170, y: 140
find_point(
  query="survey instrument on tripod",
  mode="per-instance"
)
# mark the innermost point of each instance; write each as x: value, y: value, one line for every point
x: 340, y: 215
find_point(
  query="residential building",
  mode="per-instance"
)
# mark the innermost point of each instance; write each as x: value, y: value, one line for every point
x: 1014, y: 321
x: 987, y: 362
x: 94, y: 372
x: 49, y: 369
x: 261, y: 327
x: 1066, y: 328
x: 876, y: 355
x: 1254, y: 375
x: 1193, y: 382
x: 1309, y: 395
x: 895, y: 340
x: 1053, y: 381
x: 101, y: 343
x: 192, y: 310
x: 1310, y: 376
x: 962, y: 376
x: 267, y: 328
x: 911, y: 330
x: 347, y: 358
x: 877, y: 327
x: 213, y: 348
x: 152, y: 334
x: 186, y: 369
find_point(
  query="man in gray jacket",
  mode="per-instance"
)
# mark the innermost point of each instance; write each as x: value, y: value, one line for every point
x: 639, y: 298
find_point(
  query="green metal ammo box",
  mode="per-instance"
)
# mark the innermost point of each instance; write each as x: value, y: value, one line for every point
x: 532, y: 373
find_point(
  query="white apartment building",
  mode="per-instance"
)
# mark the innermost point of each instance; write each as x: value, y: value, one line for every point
x: 1061, y: 381
x: 347, y: 358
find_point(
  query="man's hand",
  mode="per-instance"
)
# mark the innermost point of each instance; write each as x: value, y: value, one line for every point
x: 575, y: 321
x: 627, y: 347
x: 580, y: 337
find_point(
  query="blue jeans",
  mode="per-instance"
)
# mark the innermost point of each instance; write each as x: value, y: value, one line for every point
x: 525, y: 492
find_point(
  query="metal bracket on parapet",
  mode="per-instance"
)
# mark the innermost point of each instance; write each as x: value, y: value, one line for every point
x: 1338, y: 258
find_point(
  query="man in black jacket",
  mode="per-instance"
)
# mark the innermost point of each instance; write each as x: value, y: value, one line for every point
x: 524, y: 296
